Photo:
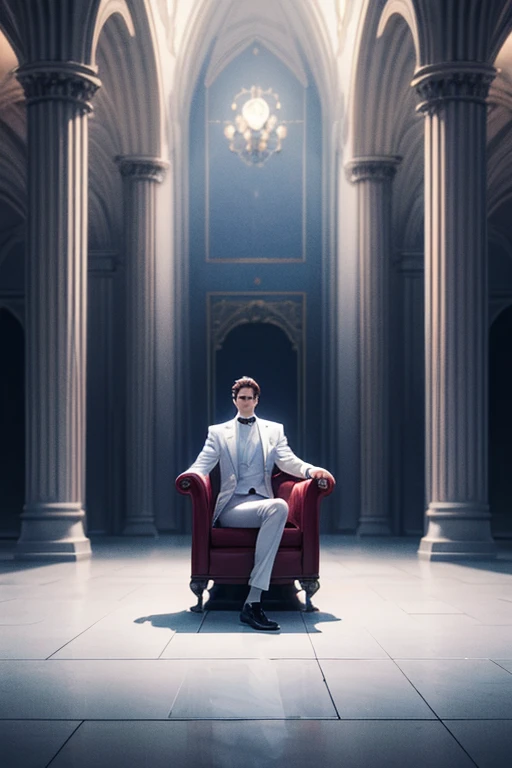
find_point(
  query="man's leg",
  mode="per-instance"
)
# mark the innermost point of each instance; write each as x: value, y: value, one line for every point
x: 269, y: 515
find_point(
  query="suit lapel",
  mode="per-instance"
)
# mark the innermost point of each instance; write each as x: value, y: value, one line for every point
x: 231, y: 441
x: 263, y: 430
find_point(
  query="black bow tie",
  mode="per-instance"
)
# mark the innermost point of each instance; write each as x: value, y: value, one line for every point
x: 248, y: 421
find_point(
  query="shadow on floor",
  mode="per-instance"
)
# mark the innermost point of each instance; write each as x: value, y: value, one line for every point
x: 186, y: 621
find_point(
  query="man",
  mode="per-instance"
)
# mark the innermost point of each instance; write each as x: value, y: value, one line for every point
x: 246, y: 449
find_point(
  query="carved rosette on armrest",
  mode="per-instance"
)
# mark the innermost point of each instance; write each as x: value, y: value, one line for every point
x: 194, y: 484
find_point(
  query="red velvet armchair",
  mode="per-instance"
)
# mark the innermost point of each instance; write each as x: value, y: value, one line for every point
x: 226, y: 555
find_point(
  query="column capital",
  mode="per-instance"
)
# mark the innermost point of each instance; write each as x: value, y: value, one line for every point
x: 436, y: 84
x: 59, y: 80
x: 142, y: 167
x: 372, y: 168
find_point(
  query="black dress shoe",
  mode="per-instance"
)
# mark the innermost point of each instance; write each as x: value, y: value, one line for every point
x: 252, y: 614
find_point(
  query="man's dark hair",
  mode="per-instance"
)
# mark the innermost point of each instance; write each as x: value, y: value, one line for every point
x: 245, y: 381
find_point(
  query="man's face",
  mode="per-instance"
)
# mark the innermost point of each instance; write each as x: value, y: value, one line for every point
x: 246, y: 402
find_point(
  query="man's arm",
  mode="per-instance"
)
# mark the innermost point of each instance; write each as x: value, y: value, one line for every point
x: 288, y: 462
x: 208, y: 457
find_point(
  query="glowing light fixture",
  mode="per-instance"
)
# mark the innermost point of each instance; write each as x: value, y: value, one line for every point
x: 255, y: 133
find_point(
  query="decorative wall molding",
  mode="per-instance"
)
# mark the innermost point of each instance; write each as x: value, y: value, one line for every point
x: 227, y: 314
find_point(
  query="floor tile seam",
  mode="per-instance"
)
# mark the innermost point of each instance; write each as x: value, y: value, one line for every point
x: 327, y: 686
x: 154, y: 659
x: 416, y: 689
x: 79, y: 725
x: 321, y: 657
x: 176, y: 632
x: 308, y: 634
x: 78, y: 635
x: 26, y: 624
x: 261, y: 718
x: 128, y: 594
x: 435, y: 613
x: 167, y: 644
x: 443, y: 658
x: 489, y: 624
x: 378, y: 643
x: 318, y: 658
x: 454, y: 737
x: 178, y: 691
x: 493, y: 661
x: 9, y: 599
x: 112, y: 720
x: 476, y: 719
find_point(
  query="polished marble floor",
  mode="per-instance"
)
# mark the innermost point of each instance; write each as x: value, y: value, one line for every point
x: 406, y: 663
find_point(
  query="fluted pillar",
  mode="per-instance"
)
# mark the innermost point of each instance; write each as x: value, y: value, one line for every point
x: 374, y: 177
x: 58, y: 102
x: 140, y: 176
x: 453, y: 99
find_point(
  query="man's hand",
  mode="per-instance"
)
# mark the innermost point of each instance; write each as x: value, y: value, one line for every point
x: 318, y: 473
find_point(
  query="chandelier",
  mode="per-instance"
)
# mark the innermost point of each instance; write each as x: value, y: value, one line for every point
x: 255, y: 133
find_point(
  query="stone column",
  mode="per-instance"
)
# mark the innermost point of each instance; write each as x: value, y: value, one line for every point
x: 374, y: 176
x: 58, y: 102
x: 140, y: 175
x: 453, y: 99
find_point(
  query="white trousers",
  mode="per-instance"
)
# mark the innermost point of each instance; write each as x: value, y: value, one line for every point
x: 269, y: 515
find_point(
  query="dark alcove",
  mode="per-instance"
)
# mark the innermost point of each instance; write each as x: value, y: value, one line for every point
x: 264, y: 352
x: 12, y: 424
x: 500, y: 424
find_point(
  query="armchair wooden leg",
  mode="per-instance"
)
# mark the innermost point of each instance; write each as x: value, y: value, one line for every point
x: 310, y: 586
x: 198, y: 586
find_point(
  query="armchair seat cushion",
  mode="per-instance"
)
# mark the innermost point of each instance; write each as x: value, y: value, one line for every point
x: 225, y: 538
x: 232, y: 565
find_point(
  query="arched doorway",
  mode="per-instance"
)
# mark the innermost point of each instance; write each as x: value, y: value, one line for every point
x: 500, y: 425
x: 264, y: 352
x: 12, y: 423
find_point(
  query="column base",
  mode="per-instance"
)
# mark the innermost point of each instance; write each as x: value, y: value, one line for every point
x: 54, y: 550
x: 457, y: 531
x: 53, y: 531
x: 140, y: 528
x: 373, y: 526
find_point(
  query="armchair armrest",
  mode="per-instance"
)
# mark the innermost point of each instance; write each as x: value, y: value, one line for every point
x: 198, y: 487
x: 304, y: 511
x: 304, y: 500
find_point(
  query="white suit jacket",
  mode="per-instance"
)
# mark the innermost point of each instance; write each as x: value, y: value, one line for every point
x: 221, y: 447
